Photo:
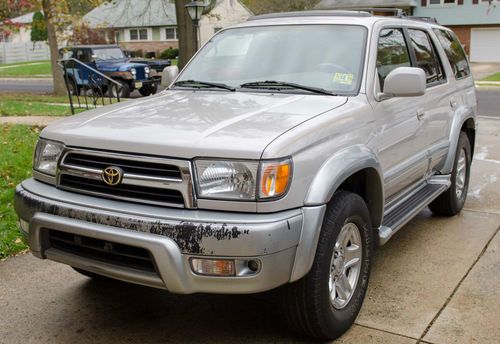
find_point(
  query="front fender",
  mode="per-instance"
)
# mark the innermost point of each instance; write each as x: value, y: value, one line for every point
x: 337, y: 169
x: 330, y: 176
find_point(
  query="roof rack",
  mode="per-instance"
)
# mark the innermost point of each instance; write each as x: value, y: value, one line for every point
x: 424, y: 19
x: 317, y: 13
x: 396, y: 12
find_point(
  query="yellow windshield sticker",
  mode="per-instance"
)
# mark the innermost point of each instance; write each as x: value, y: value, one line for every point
x: 343, y: 78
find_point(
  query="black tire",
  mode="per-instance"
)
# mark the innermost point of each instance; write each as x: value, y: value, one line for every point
x: 307, y: 305
x: 124, y: 89
x: 91, y: 274
x: 74, y: 89
x: 148, y: 90
x: 450, y: 203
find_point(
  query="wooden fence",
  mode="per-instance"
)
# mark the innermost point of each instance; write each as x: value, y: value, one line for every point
x: 22, y: 52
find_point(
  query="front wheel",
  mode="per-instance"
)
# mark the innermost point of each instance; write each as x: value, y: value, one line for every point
x: 325, y: 303
x: 148, y: 90
x: 122, y: 91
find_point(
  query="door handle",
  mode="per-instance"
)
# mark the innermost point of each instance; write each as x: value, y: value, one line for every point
x: 420, y: 115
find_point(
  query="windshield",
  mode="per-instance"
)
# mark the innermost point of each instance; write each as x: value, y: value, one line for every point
x: 323, y: 56
x: 108, y: 54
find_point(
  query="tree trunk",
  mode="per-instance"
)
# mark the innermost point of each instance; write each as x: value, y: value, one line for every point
x: 57, y: 75
x: 185, y: 32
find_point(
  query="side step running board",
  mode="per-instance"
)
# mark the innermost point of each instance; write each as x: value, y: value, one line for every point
x: 410, y: 205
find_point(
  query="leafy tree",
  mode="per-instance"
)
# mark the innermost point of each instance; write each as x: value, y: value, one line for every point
x: 38, y: 28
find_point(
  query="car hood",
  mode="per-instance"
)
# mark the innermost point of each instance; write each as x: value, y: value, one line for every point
x: 117, y: 65
x: 188, y: 124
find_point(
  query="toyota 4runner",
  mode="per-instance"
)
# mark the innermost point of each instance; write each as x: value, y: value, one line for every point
x: 287, y: 149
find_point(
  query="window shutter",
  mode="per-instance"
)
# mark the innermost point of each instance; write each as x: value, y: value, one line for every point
x: 475, y: 2
x: 423, y: 3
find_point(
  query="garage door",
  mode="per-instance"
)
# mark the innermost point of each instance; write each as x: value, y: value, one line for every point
x: 485, y: 45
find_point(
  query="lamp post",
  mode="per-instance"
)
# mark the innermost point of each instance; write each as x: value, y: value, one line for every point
x: 195, y: 10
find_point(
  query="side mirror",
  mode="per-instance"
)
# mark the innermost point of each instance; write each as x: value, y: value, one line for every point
x: 168, y: 75
x: 404, y: 82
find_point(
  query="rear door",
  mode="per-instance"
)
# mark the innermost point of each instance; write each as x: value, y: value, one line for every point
x: 435, y: 111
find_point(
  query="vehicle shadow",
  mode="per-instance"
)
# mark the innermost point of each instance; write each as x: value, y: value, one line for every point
x: 117, y: 312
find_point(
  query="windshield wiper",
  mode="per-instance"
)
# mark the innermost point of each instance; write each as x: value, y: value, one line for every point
x: 204, y: 84
x: 280, y: 85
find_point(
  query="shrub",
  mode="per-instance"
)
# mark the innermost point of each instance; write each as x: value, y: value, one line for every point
x: 170, y: 53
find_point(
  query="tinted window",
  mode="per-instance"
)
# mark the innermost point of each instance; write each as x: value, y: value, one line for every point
x: 425, y: 55
x: 454, y: 52
x: 325, y: 56
x: 392, y: 53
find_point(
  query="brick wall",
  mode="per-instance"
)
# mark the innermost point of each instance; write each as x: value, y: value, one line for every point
x: 463, y: 33
x: 156, y: 46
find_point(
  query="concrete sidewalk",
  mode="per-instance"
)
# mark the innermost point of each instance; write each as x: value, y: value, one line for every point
x: 436, y: 281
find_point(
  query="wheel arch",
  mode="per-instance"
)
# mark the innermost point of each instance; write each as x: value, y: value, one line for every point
x: 466, y: 122
x: 354, y: 169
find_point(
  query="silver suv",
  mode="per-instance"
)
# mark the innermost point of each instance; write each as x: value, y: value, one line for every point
x: 281, y: 156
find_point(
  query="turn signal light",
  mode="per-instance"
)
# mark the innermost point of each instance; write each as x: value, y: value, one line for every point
x: 275, y: 177
x: 213, y: 267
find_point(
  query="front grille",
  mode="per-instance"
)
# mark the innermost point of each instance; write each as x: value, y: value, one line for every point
x: 128, y: 166
x: 103, y: 251
x: 150, y: 180
x: 133, y: 192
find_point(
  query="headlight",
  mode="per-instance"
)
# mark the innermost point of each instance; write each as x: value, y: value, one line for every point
x: 46, y: 156
x: 146, y: 69
x: 238, y: 179
x: 133, y: 71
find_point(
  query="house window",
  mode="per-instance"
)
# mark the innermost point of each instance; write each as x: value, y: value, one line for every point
x: 3, y: 37
x: 442, y: 2
x: 139, y: 34
x: 171, y: 33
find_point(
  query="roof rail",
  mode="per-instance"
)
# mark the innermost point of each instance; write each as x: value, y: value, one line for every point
x: 316, y: 13
x: 424, y: 19
x: 396, y: 12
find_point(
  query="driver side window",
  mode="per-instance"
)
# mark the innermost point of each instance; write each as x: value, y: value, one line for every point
x: 392, y: 52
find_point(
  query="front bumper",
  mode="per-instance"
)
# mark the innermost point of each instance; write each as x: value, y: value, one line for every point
x: 171, y: 236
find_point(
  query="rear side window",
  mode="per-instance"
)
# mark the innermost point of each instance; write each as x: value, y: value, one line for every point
x: 392, y: 53
x: 426, y: 57
x: 454, y: 52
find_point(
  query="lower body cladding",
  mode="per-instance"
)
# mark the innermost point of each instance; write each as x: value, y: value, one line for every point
x: 183, y: 251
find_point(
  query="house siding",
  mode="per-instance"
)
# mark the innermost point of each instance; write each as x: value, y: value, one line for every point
x: 466, y: 14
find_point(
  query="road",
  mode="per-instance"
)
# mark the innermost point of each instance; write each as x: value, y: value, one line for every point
x: 488, y: 97
x: 436, y: 281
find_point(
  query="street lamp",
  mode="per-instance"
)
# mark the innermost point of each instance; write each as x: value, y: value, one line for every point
x: 195, y: 10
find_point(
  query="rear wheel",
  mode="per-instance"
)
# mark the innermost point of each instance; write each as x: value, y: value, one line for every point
x: 452, y: 201
x: 74, y: 90
x: 325, y: 303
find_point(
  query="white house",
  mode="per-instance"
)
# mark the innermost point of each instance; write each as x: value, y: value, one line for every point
x: 21, y: 35
x: 152, y: 25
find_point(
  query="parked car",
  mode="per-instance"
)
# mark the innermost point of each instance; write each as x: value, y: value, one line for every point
x: 112, y: 62
x: 154, y: 64
x: 244, y: 177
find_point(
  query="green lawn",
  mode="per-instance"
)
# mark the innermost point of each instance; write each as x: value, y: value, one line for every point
x: 18, y: 142
x: 494, y: 77
x: 27, y: 104
x: 25, y: 69
x: 27, y: 108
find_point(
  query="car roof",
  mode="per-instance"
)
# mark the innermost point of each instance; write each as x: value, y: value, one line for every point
x: 364, y: 18
x: 94, y: 46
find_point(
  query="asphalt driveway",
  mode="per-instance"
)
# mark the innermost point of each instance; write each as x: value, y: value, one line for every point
x: 436, y: 281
